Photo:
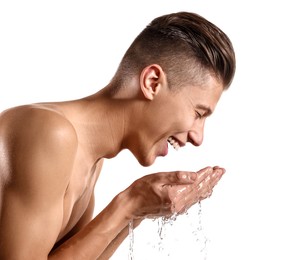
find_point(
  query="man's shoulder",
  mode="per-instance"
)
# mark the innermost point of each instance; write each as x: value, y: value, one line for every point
x: 38, y: 144
x: 35, y: 121
x: 32, y: 135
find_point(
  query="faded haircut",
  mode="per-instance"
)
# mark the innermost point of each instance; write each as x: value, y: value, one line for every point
x: 187, y: 47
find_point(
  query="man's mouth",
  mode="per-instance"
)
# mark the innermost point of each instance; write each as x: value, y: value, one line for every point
x: 174, y: 143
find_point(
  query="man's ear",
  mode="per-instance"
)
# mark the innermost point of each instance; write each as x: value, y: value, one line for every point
x: 152, y: 79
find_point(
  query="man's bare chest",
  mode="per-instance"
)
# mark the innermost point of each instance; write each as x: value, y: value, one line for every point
x: 79, y: 194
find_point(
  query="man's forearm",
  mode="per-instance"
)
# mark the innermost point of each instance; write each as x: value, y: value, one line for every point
x: 112, y: 247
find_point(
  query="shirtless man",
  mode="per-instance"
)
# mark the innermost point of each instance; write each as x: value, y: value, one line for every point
x: 167, y: 84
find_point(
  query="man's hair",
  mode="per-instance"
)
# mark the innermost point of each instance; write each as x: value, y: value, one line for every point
x: 187, y: 47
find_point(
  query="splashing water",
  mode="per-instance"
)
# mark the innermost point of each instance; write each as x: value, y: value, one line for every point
x: 174, y: 239
x: 162, y: 224
x: 199, y: 234
x: 131, y: 239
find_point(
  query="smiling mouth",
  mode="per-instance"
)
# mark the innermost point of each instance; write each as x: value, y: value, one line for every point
x: 174, y: 143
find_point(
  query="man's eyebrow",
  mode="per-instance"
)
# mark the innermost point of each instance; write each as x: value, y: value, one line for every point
x: 207, y: 109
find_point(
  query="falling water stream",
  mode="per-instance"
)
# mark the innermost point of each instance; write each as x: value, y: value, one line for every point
x: 131, y: 240
x: 177, y: 236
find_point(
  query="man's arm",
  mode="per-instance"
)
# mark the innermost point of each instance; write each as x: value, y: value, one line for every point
x: 115, y: 243
x: 39, y: 150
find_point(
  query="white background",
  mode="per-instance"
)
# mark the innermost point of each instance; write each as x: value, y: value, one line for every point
x: 62, y: 50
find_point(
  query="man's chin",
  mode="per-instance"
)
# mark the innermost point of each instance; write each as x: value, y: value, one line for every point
x: 147, y: 161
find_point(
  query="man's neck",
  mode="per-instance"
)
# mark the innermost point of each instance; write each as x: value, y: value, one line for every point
x: 101, y: 123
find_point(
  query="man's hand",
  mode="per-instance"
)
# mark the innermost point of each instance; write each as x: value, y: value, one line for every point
x: 166, y: 193
x: 184, y: 196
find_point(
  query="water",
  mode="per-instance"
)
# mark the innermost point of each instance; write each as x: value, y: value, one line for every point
x: 200, y: 236
x: 131, y: 240
x: 170, y: 238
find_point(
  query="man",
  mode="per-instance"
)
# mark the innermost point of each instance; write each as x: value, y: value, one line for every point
x: 168, y: 82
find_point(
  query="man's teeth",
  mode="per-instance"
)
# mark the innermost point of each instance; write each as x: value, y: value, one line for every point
x: 174, y: 143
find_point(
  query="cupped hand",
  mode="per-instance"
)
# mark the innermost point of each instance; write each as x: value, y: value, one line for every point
x: 184, y: 196
x: 166, y: 193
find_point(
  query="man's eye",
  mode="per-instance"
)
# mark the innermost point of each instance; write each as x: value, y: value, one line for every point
x: 198, y: 115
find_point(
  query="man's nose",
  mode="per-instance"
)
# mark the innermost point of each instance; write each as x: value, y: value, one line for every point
x: 195, y: 135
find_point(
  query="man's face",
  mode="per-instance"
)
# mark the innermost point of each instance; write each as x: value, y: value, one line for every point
x: 175, y: 118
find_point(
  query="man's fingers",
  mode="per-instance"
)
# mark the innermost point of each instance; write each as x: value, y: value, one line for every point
x: 196, y: 192
x: 178, y: 178
x: 216, y: 175
x: 207, y: 185
x: 203, y: 174
x: 184, y: 177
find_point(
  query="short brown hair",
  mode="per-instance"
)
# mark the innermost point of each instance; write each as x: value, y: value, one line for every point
x: 186, y: 46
